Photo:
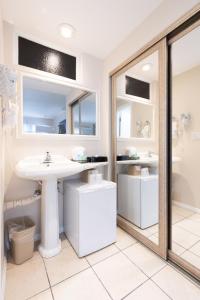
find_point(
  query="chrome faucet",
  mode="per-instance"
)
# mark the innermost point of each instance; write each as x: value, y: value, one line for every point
x: 47, y: 159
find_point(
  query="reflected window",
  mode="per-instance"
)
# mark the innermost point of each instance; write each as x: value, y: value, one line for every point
x: 84, y: 115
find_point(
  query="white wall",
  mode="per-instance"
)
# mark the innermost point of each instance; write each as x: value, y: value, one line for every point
x: 186, y: 96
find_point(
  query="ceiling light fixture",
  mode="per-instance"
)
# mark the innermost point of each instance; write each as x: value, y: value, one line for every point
x: 66, y: 30
x: 146, y: 67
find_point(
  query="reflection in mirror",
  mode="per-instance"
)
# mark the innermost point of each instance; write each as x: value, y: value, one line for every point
x: 137, y: 163
x: 185, y: 226
x: 57, y: 109
x: 134, y: 119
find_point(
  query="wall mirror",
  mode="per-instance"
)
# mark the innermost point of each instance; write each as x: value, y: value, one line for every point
x: 185, y: 148
x: 54, y: 108
x: 138, y: 146
x: 136, y: 99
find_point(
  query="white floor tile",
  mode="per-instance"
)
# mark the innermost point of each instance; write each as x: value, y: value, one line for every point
x: 26, y: 280
x: 46, y: 295
x: 183, y: 237
x: 196, y: 249
x: 83, y: 286
x: 148, y: 290
x: 177, y: 249
x: 102, y: 254
x: 190, y: 225
x: 191, y: 258
x: 182, y: 211
x: 176, y: 285
x: 195, y: 217
x: 119, y: 275
x: 124, y: 240
x: 145, y: 259
x: 64, y: 265
x: 176, y: 217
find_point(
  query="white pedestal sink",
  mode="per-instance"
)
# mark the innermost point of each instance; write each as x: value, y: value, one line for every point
x: 34, y: 168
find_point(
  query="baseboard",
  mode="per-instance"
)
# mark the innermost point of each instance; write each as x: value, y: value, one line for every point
x: 3, y: 279
x: 187, y: 206
x: 38, y: 235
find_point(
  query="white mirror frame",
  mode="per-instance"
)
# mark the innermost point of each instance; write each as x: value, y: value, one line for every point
x: 53, y: 79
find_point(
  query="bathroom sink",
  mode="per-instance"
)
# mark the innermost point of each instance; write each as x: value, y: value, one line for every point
x: 49, y: 170
x: 34, y: 167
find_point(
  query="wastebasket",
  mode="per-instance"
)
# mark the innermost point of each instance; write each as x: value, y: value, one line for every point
x: 21, y: 235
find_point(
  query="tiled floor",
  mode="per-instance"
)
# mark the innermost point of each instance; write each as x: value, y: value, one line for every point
x: 125, y: 270
x: 185, y: 234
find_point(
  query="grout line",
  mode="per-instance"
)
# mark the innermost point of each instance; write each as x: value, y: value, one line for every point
x: 132, y: 291
x: 65, y: 279
x: 120, y: 249
x: 100, y: 279
x: 149, y: 276
x: 48, y: 278
x: 102, y: 258
x: 186, y: 275
x: 29, y: 298
x: 161, y: 288
x: 188, y: 231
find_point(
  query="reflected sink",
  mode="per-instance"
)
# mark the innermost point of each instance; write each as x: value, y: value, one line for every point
x: 34, y: 167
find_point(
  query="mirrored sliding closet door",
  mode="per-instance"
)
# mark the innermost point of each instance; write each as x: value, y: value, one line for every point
x: 185, y: 149
x: 138, y: 106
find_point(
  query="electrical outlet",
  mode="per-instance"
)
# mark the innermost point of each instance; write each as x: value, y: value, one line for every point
x: 196, y: 135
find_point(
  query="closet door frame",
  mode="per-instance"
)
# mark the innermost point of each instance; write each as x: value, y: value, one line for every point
x: 174, y: 36
x: 161, y: 48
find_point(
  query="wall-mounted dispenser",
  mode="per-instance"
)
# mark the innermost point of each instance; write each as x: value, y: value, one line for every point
x: 185, y: 119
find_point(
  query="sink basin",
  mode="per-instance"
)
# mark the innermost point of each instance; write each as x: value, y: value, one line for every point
x: 34, y: 168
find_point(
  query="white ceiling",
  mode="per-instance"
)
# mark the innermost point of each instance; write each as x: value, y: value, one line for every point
x: 148, y: 76
x: 101, y: 25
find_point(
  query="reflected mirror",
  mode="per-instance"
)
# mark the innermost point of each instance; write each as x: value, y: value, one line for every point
x: 51, y: 108
x: 137, y: 166
x: 185, y: 226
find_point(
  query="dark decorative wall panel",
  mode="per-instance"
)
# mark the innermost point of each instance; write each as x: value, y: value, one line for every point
x: 137, y: 87
x: 34, y: 55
